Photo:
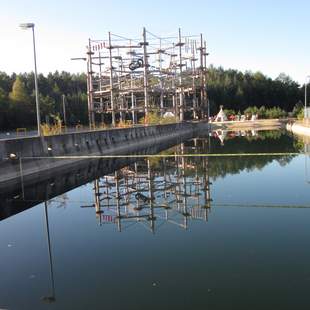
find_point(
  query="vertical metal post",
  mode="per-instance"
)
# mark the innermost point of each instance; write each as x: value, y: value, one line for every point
x: 181, y: 104
x: 145, y: 75
x: 64, y: 109
x: 36, y: 84
x: 205, y: 81
x: 90, y: 87
x: 111, y: 81
x: 305, y: 100
x: 305, y: 112
x: 100, y: 89
x: 194, y: 79
x: 119, y: 82
x: 161, y: 80
x: 133, y: 106
x: 202, y: 99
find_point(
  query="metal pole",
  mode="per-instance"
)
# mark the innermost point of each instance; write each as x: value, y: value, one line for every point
x: 161, y: 80
x: 180, y: 78
x: 36, y: 84
x: 305, y: 99
x: 90, y: 87
x: 133, y: 106
x: 111, y: 81
x: 205, y: 95
x: 202, y: 99
x: 305, y: 112
x: 145, y: 78
x: 100, y: 89
x: 193, y: 80
x: 64, y: 109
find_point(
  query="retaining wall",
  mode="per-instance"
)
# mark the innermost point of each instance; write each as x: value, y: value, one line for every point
x: 105, y: 142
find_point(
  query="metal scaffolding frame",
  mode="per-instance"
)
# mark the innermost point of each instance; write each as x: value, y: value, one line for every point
x: 150, y: 196
x: 129, y: 78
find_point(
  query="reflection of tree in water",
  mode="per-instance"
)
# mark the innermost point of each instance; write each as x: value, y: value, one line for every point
x: 264, y: 142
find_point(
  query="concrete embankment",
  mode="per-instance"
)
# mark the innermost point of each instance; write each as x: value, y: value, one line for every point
x: 19, y: 196
x: 299, y: 128
x: 26, y: 153
x: 262, y: 124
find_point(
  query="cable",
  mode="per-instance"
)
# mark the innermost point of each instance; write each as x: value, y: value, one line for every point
x: 164, y: 155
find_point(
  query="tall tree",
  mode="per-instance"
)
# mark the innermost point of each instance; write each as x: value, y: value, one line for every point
x: 19, y: 92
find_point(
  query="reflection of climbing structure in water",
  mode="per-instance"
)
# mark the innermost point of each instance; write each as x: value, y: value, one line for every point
x: 154, y: 192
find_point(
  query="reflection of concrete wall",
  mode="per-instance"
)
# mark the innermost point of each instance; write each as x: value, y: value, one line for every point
x: 106, y: 142
x: 54, y: 182
x: 260, y: 124
x: 299, y: 128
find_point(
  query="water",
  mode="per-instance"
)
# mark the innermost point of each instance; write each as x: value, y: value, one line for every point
x: 204, y: 233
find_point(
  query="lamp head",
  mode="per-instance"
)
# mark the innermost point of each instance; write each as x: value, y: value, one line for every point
x: 26, y: 25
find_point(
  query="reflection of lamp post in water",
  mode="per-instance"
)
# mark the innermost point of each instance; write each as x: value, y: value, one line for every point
x: 51, y: 298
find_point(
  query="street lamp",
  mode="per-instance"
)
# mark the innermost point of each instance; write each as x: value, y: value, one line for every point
x: 306, y: 114
x: 27, y: 26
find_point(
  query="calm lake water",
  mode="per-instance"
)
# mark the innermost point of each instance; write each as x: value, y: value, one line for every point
x: 166, y: 233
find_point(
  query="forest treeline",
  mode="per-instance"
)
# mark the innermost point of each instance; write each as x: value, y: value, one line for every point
x: 233, y: 89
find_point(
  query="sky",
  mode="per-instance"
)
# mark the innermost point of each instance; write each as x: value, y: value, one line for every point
x: 257, y: 35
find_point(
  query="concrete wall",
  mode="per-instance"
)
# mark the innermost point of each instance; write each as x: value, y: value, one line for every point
x: 105, y: 142
x: 267, y: 124
x: 299, y: 128
x: 17, y: 197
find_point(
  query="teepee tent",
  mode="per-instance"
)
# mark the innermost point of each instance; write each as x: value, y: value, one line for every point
x: 221, y: 116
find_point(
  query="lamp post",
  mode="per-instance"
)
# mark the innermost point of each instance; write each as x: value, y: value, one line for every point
x: 28, y: 26
x: 305, y: 113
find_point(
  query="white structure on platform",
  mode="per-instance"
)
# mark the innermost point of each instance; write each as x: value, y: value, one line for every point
x: 168, y: 114
x: 221, y: 116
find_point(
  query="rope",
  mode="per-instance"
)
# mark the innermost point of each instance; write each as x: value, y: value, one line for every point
x: 213, y: 204
x: 165, y: 155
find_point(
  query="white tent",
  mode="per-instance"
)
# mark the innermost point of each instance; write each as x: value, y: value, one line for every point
x: 221, y: 116
x: 168, y: 114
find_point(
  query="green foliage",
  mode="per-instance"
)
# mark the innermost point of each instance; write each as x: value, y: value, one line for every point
x: 298, y: 110
x: 229, y: 112
x: 263, y: 112
x: 235, y: 90
x: 19, y: 93
x: 17, y: 98
x: 238, y: 91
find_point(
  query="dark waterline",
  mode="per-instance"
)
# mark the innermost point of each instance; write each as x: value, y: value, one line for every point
x: 202, y: 233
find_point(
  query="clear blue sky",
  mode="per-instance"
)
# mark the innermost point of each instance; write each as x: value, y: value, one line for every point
x: 268, y: 36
